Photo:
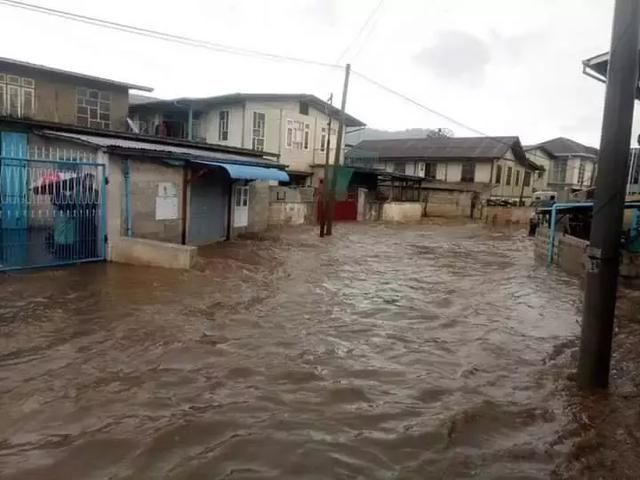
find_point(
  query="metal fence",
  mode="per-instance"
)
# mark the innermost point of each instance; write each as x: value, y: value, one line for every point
x: 53, y: 207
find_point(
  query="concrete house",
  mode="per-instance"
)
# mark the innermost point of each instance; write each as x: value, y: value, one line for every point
x: 495, y: 166
x: 291, y: 127
x: 48, y: 94
x: 71, y: 192
x: 568, y: 165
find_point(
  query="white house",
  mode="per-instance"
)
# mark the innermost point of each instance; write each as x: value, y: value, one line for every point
x: 496, y: 166
x: 568, y: 165
x: 292, y: 127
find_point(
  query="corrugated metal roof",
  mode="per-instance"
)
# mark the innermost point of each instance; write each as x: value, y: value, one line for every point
x: 319, y: 104
x: 60, y: 71
x: 561, y: 146
x: 441, y: 148
x: 120, y: 144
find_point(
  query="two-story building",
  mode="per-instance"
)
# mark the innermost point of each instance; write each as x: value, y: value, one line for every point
x: 568, y: 165
x: 495, y: 166
x: 292, y: 127
x: 76, y: 186
x: 38, y: 92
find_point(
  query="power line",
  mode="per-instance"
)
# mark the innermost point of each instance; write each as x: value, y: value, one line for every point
x: 167, y: 37
x: 366, y: 23
x: 233, y: 50
x: 433, y: 111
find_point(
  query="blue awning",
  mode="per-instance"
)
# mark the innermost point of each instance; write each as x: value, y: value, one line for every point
x: 248, y: 172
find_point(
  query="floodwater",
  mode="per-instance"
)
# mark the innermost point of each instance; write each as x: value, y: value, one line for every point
x: 380, y: 353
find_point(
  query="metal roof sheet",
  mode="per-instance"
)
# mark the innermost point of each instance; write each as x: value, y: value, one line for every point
x: 320, y: 104
x: 116, y: 143
x: 69, y: 73
x: 562, y: 146
x: 441, y: 148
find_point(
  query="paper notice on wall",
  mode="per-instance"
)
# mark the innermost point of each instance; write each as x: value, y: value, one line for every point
x: 167, y: 201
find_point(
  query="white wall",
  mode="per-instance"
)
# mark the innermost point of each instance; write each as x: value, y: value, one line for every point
x: 483, y: 172
x: 211, y: 120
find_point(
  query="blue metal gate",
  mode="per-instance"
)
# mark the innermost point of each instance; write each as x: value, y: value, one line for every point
x: 52, y: 204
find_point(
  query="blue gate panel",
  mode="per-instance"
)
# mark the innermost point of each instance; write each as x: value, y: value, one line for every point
x: 52, y: 210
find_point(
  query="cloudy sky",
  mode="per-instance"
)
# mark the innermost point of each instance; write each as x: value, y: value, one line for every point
x: 503, y: 67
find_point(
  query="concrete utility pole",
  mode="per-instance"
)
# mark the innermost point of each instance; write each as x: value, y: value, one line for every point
x: 331, y: 205
x: 604, y: 248
x: 325, y: 181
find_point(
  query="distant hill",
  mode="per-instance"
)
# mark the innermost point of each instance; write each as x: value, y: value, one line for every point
x: 375, y: 134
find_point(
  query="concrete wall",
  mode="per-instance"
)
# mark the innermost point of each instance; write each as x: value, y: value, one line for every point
x: 55, y: 95
x: 402, y: 212
x: 570, y: 254
x: 507, y: 215
x: 137, y: 251
x: 145, y: 176
x: 258, y: 220
x: 291, y: 206
x: 447, y: 203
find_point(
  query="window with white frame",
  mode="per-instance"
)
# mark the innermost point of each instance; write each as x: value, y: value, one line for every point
x: 223, y: 125
x: 17, y: 96
x: 257, y: 137
x: 298, y: 135
x: 323, y: 138
x: 559, y: 171
x: 93, y: 108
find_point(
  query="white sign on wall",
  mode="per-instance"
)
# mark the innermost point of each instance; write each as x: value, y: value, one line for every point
x: 167, y: 201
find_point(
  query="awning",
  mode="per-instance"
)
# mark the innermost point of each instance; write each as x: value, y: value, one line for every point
x: 248, y: 172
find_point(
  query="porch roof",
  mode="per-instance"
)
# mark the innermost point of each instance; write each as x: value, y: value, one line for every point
x: 597, y: 66
x: 127, y: 146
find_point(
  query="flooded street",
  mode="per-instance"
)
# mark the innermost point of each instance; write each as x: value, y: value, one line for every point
x: 381, y: 353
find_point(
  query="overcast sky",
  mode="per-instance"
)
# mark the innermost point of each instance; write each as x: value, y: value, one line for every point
x: 503, y: 67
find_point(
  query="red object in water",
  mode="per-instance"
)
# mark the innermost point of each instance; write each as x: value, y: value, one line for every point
x: 346, y: 210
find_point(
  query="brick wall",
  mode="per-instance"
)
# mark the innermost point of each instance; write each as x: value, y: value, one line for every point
x: 447, y: 203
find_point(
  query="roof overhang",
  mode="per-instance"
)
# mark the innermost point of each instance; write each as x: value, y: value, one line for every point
x: 69, y: 73
x: 200, y: 103
x: 239, y: 171
x: 597, y: 66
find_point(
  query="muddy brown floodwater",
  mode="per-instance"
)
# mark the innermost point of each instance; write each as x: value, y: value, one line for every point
x: 381, y: 353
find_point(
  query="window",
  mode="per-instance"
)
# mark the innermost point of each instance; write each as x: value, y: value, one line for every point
x: 304, y: 108
x: 509, y: 174
x: 430, y: 169
x: 17, y: 96
x: 498, y: 174
x: 257, y: 142
x: 93, y: 108
x: 468, y: 172
x: 540, y: 174
x: 581, y: 170
x: 559, y: 171
x: 399, y: 167
x: 517, y: 182
x: 223, y: 125
x: 526, y: 180
x: 298, y: 134
x: 323, y: 138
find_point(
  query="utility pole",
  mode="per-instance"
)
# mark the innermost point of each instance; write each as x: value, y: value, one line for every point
x: 325, y: 181
x: 604, y: 248
x: 331, y: 205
